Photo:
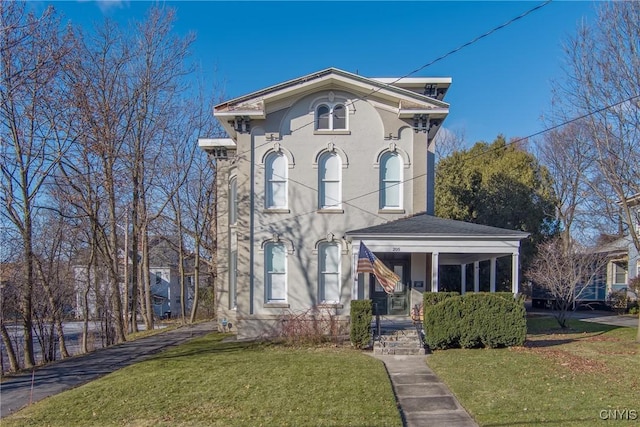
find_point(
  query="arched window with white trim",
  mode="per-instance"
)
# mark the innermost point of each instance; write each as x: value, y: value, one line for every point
x: 329, y: 181
x: 329, y: 272
x: 331, y: 117
x: 390, y: 181
x: 276, y: 170
x: 275, y: 265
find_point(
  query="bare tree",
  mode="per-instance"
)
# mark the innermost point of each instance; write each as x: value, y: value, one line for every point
x: 567, y: 153
x: 448, y: 141
x: 566, y: 273
x: 603, y: 67
x: 156, y: 86
x: 34, y: 127
x: 101, y: 94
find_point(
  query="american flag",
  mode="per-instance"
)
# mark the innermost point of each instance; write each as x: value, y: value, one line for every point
x: 368, y: 263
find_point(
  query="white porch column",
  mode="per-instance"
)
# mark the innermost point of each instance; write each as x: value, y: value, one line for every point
x: 492, y: 276
x: 463, y: 279
x: 476, y: 276
x: 515, y: 273
x: 354, y: 276
x: 434, y: 272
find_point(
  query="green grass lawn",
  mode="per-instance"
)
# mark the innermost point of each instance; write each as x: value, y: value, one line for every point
x: 559, y: 378
x: 207, y: 382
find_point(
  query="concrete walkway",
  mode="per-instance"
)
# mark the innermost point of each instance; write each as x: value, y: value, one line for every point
x: 423, y: 399
x: 16, y: 391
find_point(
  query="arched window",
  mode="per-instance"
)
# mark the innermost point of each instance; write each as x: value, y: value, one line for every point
x: 329, y: 185
x: 233, y: 201
x: 390, y: 181
x: 339, y: 117
x: 276, y: 181
x: 329, y: 272
x: 331, y: 117
x: 322, y: 117
x: 275, y: 265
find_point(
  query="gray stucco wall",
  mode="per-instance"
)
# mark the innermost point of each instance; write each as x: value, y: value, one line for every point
x: 372, y: 129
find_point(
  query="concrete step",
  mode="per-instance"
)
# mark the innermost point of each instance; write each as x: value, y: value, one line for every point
x: 399, y: 351
x: 399, y: 342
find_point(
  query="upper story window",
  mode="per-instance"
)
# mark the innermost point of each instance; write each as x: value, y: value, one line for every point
x: 331, y: 117
x: 329, y: 181
x: 275, y: 264
x: 329, y: 277
x: 390, y: 181
x: 233, y: 201
x: 276, y: 181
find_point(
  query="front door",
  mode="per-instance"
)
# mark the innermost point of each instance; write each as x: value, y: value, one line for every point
x: 395, y: 303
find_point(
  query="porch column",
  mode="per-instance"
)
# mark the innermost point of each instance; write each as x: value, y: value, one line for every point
x: 476, y: 276
x: 463, y: 279
x: 354, y: 276
x: 515, y: 273
x: 434, y: 272
x: 492, y: 276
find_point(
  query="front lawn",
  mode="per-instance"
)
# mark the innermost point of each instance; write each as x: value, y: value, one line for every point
x: 207, y: 382
x: 558, y: 378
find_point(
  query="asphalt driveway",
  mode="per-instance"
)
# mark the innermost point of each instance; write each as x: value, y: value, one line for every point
x: 15, y: 391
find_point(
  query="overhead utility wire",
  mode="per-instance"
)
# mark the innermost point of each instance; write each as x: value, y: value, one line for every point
x: 515, y: 141
x: 440, y: 58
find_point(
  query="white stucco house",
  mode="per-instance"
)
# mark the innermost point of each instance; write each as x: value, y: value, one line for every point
x: 312, y: 167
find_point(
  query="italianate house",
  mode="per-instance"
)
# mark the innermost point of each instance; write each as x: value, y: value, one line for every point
x: 314, y: 166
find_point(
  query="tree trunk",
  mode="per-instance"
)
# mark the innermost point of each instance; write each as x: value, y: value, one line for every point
x: 147, y: 280
x: 196, y: 289
x: 8, y: 345
x: 116, y: 300
x: 27, y: 295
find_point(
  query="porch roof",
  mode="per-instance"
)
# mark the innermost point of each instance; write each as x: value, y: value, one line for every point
x: 424, y: 225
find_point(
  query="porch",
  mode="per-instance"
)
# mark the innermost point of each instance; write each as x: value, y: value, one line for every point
x: 434, y: 254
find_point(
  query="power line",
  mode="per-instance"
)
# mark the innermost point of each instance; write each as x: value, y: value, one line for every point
x: 440, y: 58
x: 515, y: 141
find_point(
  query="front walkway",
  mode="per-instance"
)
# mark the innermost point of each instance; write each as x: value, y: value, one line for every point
x: 423, y: 399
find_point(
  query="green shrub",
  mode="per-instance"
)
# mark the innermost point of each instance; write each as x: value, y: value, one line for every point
x: 430, y: 299
x: 475, y: 320
x: 442, y: 323
x: 433, y: 298
x: 361, y: 323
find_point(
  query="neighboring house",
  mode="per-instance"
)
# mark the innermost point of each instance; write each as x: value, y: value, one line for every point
x: 314, y: 166
x: 623, y: 258
x: 164, y: 279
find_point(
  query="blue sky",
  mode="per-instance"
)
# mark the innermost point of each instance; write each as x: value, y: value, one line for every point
x: 501, y: 84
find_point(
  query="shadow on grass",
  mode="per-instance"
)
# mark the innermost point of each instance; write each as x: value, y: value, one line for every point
x: 540, y: 328
x: 549, y: 326
x: 210, y: 344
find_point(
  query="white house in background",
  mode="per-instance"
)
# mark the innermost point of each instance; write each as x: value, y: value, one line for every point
x: 164, y: 280
x: 315, y: 165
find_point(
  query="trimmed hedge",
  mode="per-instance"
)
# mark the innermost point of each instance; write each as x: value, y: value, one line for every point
x: 429, y: 299
x: 475, y: 320
x: 361, y: 316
